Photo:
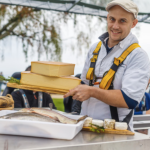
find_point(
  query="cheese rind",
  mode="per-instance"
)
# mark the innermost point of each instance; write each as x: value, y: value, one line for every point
x: 121, y: 126
x: 99, y: 123
x: 64, y: 83
x: 87, y: 122
x: 109, y: 124
x: 55, y: 69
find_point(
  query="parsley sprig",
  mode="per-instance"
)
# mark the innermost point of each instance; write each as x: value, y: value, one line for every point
x: 9, y: 79
x: 96, y: 128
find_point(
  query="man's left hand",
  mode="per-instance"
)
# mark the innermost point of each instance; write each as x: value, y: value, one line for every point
x: 81, y: 93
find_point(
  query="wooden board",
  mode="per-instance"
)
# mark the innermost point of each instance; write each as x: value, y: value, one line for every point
x: 36, y: 88
x: 111, y: 131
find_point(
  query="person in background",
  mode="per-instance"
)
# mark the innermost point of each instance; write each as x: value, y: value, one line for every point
x: 26, y: 98
x: 144, y: 106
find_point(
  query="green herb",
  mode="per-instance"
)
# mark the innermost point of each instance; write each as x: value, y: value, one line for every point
x: 96, y: 128
x: 10, y: 79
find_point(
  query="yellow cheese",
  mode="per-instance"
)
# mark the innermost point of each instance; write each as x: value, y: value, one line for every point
x: 65, y: 83
x: 48, y: 68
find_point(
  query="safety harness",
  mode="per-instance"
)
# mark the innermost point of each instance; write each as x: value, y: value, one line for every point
x: 107, y: 80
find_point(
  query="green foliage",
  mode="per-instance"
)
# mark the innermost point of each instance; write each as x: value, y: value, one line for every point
x: 10, y: 79
x: 59, y: 103
x: 96, y: 128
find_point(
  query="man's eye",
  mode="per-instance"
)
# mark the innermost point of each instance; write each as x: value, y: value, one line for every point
x: 123, y: 20
x: 112, y: 19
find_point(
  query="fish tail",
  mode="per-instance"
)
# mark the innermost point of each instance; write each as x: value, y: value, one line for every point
x: 82, y: 118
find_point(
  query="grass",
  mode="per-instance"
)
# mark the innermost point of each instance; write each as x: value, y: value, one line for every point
x: 59, y: 103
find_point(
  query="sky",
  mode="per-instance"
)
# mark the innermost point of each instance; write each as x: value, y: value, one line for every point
x: 14, y: 59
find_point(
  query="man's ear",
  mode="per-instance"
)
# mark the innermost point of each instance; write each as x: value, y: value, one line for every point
x: 135, y: 21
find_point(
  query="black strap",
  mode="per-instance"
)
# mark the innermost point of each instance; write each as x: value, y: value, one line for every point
x: 128, y: 118
x: 92, y: 65
x: 113, y: 110
x: 114, y: 113
x: 115, y: 67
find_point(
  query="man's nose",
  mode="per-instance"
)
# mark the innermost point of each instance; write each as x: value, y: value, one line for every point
x: 115, y: 25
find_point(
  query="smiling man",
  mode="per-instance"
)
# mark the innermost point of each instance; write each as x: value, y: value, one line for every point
x: 116, y: 70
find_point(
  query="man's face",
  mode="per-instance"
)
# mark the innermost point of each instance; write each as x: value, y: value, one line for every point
x: 119, y: 23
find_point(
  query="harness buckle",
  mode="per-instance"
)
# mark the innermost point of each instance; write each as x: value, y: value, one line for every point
x: 95, y: 53
x: 94, y: 79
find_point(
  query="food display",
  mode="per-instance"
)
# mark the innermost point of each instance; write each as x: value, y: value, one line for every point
x: 28, y: 116
x: 106, y: 126
x: 52, y: 114
x: 55, y: 69
x: 45, y: 124
x: 46, y: 76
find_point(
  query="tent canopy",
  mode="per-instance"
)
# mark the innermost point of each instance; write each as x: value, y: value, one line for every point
x: 85, y: 7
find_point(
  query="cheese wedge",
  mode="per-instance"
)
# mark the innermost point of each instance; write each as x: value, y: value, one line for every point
x: 109, y: 123
x: 121, y: 126
x: 55, y: 69
x: 65, y: 83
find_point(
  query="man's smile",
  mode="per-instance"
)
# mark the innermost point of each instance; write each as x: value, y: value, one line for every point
x: 115, y: 32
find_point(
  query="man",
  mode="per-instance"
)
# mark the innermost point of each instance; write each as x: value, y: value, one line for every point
x: 127, y: 75
x: 26, y: 98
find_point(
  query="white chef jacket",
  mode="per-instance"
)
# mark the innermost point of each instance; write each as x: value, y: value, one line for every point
x: 131, y: 77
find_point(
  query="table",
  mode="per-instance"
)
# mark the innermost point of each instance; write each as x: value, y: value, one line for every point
x: 83, y: 141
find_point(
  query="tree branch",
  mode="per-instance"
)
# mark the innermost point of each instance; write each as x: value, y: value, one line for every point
x: 19, y: 16
x: 9, y: 31
x: 25, y: 36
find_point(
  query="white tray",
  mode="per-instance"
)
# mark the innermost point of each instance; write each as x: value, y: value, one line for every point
x: 40, y: 129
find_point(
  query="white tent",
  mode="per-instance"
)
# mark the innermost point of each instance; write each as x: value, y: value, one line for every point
x: 85, y: 7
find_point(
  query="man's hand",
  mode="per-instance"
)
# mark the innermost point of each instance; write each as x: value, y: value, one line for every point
x: 81, y: 93
x: 148, y: 112
x: 110, y: 97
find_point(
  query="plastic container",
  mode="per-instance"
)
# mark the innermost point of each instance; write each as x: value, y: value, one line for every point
x: 40, y: 129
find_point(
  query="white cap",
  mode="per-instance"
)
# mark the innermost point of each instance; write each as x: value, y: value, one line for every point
x: 128, y: 5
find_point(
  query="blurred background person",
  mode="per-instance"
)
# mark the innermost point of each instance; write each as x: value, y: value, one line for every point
x: 144, y: 106
x: 27, y: 98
